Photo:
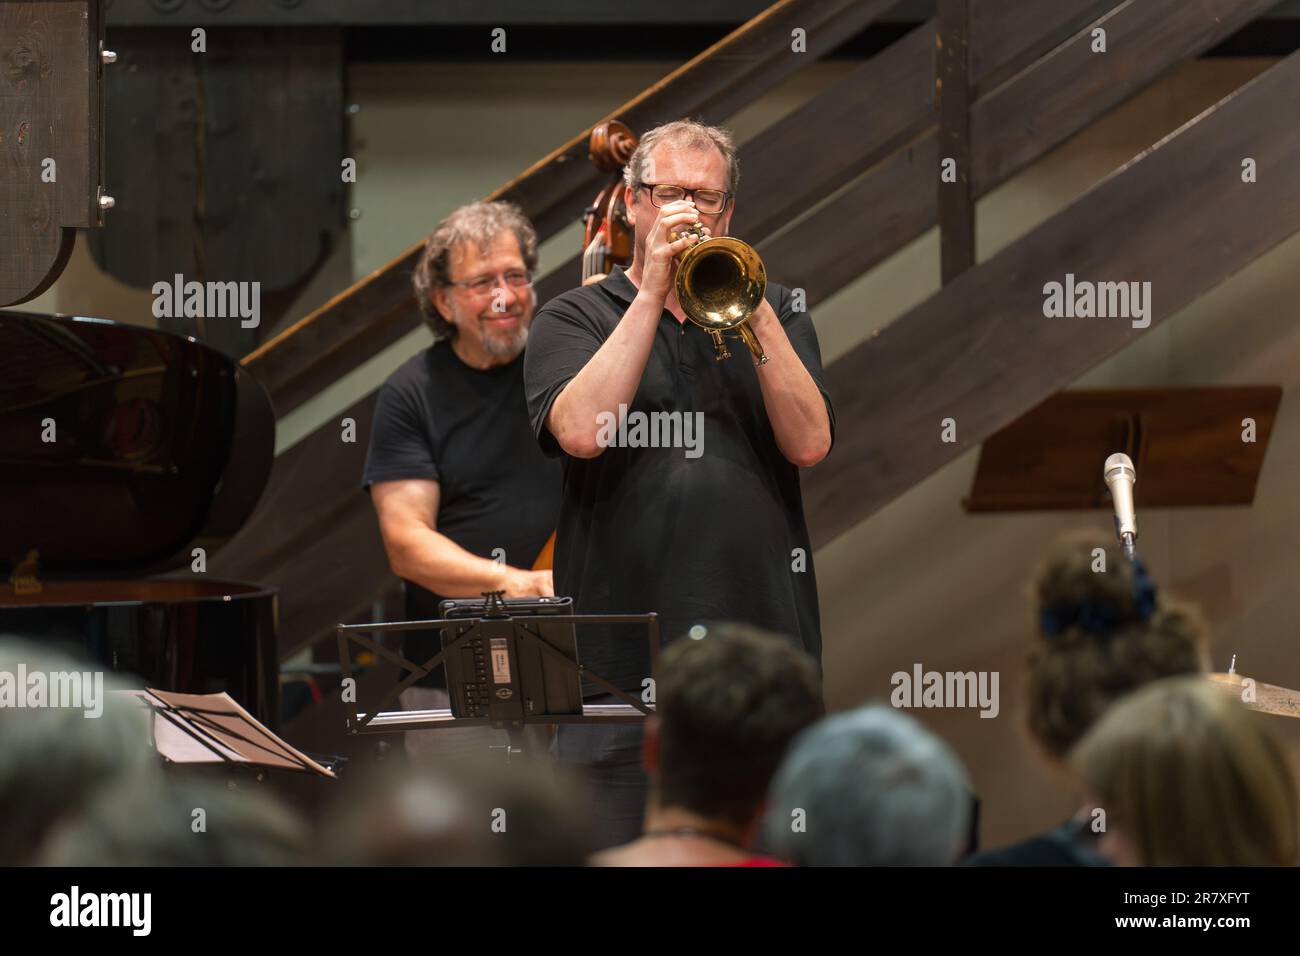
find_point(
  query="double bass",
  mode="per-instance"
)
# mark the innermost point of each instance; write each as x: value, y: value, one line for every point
x: 606, y: 235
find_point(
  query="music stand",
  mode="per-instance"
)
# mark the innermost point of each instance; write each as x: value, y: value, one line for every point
x: 518, y: 696
x: 215, y: 729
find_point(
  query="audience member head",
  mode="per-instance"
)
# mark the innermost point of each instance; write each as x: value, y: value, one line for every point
x: 467, y: 811
x: 729, y: 699
x: 179, y: 819
x: 871, y: 787
x: 1103, y: 630
x: 1187, y: 776
x: 55, y: 757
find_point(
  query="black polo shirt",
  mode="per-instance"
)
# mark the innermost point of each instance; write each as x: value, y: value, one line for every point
x: 710, y: 537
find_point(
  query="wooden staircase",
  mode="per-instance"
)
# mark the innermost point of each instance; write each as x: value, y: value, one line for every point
x: 979, y: 351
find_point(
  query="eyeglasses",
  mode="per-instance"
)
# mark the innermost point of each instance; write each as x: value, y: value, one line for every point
x: 709, y: 201
x: 484, y: 285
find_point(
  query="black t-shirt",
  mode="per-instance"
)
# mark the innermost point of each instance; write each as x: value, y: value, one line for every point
x: 705, y: 538
x: 468, y: 430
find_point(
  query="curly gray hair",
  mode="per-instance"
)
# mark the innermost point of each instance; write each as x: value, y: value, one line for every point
x: 479, y: 223
x: 682, y: 134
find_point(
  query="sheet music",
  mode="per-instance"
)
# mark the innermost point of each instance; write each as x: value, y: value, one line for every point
x: 214, y: 728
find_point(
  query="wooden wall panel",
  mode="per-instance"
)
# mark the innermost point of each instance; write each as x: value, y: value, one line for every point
x: 982, y: 352
x: 50, y: 111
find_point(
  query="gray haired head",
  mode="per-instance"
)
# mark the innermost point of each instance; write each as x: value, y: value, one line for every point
x: 682, y: 134
x: 870, y: 787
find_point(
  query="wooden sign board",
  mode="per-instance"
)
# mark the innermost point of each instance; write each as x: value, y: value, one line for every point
x: 1192, y: 447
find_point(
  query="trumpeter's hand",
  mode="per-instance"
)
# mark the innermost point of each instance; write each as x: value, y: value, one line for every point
x: 661, y: 250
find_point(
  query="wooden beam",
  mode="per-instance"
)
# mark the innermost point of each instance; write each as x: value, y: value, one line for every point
x: 981, y: 351
x: 835, y: 136
x: 1007, y: 37
x: 51, y: 143
x: 954, y: 91
x: 377, y: 311
x: 1143, y: 39
x: 443, y: 14
x: 854, y: 124
x: 894, y: 202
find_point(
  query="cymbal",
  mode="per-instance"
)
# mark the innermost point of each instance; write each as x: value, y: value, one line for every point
x: 1268, y: 698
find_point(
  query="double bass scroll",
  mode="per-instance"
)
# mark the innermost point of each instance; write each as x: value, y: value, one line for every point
x: 607, y: 235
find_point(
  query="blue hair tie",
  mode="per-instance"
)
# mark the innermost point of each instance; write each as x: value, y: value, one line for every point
x: 1101, y: 619
x: 1144, y: 592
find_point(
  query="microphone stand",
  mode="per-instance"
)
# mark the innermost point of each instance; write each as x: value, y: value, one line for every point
x: 1127, y: 542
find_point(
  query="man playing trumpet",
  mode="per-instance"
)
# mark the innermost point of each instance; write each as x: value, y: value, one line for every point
x: 715, y: 532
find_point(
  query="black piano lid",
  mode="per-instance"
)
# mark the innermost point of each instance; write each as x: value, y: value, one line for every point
x: 160, y: 445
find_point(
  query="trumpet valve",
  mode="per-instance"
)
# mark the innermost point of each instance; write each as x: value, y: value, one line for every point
x: 720, y: 344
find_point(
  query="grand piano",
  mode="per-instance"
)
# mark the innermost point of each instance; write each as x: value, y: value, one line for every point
x: 127, y: 456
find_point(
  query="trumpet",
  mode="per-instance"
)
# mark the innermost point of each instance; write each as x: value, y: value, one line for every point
x: 720, y: 283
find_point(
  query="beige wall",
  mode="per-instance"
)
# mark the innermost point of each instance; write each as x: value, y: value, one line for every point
x: 920, y: 581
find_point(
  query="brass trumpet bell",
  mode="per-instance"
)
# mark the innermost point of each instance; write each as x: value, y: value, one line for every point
x: 720, y: 283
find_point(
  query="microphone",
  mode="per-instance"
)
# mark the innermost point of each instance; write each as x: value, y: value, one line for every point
x: 1120, y: 478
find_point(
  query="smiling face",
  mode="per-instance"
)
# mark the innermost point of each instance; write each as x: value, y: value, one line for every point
x: 492, y: 327
x: 690, y: 168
